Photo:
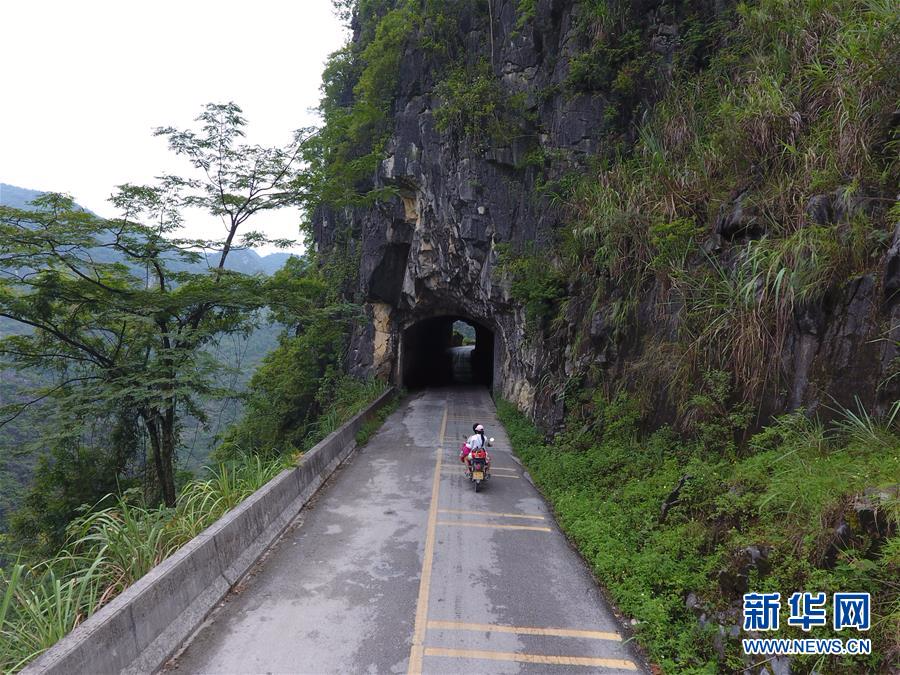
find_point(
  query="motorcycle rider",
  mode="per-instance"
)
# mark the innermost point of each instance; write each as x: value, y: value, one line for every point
x: 476, y: 441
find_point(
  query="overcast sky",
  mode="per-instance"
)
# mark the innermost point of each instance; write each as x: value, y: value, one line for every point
x: 84, y: 84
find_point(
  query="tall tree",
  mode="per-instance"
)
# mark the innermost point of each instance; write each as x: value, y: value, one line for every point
x: 114, y: 308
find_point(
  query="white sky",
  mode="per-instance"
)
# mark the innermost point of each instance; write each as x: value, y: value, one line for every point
x: 84, y: 83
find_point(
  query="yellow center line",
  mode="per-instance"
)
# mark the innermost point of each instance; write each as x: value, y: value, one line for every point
x: 624, y: 664
x: 491, y: 513
x: 525, y: 630
x: 462, y: 523
x: 418, y: 643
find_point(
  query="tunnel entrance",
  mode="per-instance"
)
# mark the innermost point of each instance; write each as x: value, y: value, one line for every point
x: 447, y: 350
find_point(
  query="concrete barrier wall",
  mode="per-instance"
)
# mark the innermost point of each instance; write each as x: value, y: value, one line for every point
x: 142, y: 627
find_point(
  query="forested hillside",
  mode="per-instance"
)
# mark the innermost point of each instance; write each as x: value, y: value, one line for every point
x: 679, y: 223
x: 20, y: 444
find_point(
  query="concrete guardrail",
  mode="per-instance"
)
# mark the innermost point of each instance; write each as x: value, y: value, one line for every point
x: 141, y: 628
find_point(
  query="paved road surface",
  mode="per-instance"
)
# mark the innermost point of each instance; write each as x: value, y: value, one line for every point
x: 399, y: 566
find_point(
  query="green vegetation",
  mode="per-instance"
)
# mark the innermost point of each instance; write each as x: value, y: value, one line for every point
x: 295, y: 381
x: 115, y: 543
x: 119, y: 539
x: 474, y: 105
x: 782, y: 136
x: 71, y: 475
x: 370, y: 426
x: 750, y: 176
x: 784, y: 491
x: 525, y: 11
x: 112, y: 311
x: 297, y: 398
x: 534, y: 282
x: 124, y: 329
x: 358, y: 87
x: 619, y: 64
x: 360, y: 84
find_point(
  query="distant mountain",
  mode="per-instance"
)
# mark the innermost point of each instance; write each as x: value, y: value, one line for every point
x: 249, y: 261
x: 246, y: 261
x: 243, y: 353
x: 16, y: 197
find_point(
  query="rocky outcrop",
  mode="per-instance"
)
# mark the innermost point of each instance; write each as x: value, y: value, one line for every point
x: 432, y: 249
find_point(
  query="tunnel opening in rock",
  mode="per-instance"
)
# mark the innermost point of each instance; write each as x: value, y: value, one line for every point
x: 447, y: 350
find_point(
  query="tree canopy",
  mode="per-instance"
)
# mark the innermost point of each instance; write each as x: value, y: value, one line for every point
x: 117, y: 312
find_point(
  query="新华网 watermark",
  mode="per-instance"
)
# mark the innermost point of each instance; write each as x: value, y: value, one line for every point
x: 762, y: 613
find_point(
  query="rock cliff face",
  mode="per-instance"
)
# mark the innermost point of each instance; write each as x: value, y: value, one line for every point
x: 432, y: 250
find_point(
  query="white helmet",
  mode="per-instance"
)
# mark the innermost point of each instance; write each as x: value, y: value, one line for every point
x: 479, y: 428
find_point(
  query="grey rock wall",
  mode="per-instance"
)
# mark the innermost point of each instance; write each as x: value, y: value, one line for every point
x: 432, y: 250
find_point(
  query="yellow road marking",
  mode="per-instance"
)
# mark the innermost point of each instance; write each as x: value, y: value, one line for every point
x: 532, y: 658
x: 491, y: 513
x: 523, y: 630
x: 418, y: 643
x: 462, y: 523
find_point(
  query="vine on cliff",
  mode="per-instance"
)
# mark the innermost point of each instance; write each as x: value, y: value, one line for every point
x: 475, y: 106
x: 360, y: 86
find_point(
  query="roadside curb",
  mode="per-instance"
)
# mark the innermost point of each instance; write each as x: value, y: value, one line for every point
x: 141, y: 628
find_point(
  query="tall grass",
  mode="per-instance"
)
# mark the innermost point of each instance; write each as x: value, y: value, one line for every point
x: 796, y: 102
x: 728, y: 322
x: 108, y: 549
x: 346, y: 399
x: 866, y: 428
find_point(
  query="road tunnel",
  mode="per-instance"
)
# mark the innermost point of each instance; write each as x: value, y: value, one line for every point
x: 446, y: 350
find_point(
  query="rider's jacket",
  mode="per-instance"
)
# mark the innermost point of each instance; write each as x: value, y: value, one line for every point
x: 475, y: 441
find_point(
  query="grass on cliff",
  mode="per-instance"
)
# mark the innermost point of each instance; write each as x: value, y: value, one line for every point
x: 119, y: 540
x: 784, y: 491
x: 790, y: 130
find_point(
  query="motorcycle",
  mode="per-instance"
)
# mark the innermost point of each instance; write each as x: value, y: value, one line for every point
x: 479, y: 470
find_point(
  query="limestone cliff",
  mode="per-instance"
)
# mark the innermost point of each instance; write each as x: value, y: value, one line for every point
x: 455, y: 200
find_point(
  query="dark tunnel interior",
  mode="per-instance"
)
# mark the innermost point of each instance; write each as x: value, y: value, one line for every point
x: 447, y: 350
